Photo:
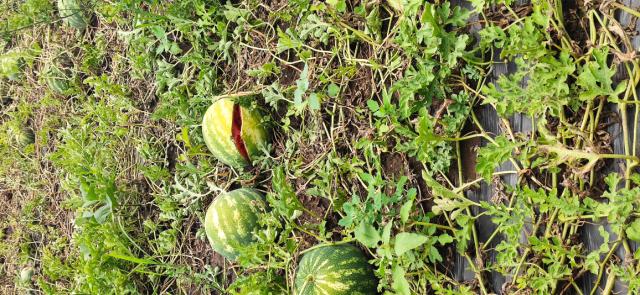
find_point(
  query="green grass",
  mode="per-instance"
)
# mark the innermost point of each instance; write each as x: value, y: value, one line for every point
x: 372, y: 106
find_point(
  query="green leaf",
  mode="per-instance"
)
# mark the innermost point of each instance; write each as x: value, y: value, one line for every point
x: 374, y: 23
x: 284, y: 200
x: 458, y: 16
x: 438, y: 189
x: 592, y: 262
x: 340, y: 5
x: 408, y: 241
x: 302, y: 85
x: 434, y: 255
x: 314, y: 102
x: 448, y: 205
x: 333, y: 90
x: 400, y: 283
x: 102, y: 213
x: 286, y: 41
x: 546, y: 88
x: 132, y: 259
x: 367, y: 234
x: 633, y: 231
x: 373, y: 105
x: 88, y: 192
x: 492, y: 155
x: 235, y: 14
x: 458, y: 50
x: 613, y: 181
x: 386, y: 232
x: 595, y: 78
x: 478, y: 5
x: 492, y: 35
x: 405, y: 210
x: 444, y: 239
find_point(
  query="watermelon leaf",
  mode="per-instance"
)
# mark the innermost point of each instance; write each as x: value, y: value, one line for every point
x: 386, y: 232
x: 633, y: 231
x: 102, y: 213
x: 408, y: 241
x: 405, y: 210
x: 367, y: 234
x: 400, y: 284
x: 284, y: 200
x: 444, y: 239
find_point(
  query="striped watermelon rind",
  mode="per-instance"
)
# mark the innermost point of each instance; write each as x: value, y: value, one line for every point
x: 217, y: 131
x: 335, y: 270
x: 231, y: 220
x: 72, y: 13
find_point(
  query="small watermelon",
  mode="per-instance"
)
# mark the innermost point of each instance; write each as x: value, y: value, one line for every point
x: 233, y: 134
x: 73, y: 14
x: 231, y: 219
x: 335, y: 270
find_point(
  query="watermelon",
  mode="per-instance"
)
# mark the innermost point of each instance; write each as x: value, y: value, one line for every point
x: 335, y: 270
x: 233, y: 134
x: 231, y: 219
x: 72, y: 13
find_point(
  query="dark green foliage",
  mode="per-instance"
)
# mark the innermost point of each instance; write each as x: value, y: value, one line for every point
x: 374, y: 108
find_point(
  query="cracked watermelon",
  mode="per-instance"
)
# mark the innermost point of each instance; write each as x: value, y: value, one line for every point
x: 231, y: 219
x: 335, y: 270
x: 233, y: 134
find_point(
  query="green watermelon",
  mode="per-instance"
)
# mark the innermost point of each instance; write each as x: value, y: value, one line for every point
x: 231, y: 219
x: 233, y: 134
x: 335, y: 270
x: 71, y: 11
